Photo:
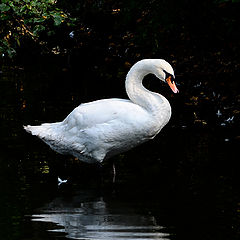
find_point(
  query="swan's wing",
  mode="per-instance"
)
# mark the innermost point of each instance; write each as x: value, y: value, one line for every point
x: 89, y: 114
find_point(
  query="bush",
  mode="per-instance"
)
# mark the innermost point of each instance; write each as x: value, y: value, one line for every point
x: 26, y: 19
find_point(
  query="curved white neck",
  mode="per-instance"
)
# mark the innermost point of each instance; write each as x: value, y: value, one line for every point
x: 153, y: 102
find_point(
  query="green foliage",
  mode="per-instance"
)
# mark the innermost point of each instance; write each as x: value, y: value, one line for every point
x: 128, y: 27
x: 27, y: 19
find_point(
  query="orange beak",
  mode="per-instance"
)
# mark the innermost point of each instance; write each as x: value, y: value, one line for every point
x: 172, y: 85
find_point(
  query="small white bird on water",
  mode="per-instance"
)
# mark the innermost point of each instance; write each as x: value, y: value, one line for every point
x: 60, y: 181
x: 101, y: 129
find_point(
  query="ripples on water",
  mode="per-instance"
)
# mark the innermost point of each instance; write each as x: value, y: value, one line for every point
x: 96, y: 219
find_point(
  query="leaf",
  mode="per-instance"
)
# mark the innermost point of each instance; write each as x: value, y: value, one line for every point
x: 37, y: 29
x: 4, y: 7
x: 18, y: 42
x: 23, y: 9
x: 11, y: 52
x: 38, y: 20
x: 57, y: 20
x: 11, y: 4
x: 50, y: 33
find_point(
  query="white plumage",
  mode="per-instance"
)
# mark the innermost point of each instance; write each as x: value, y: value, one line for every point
x: 98, y: 130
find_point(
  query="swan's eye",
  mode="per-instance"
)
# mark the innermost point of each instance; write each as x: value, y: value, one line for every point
x: 169, y: 77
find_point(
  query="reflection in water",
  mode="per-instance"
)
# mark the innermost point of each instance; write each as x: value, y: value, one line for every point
x: 96, y: 219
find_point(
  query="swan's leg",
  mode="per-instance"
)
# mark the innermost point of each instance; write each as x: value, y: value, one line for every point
x: 114, y: 173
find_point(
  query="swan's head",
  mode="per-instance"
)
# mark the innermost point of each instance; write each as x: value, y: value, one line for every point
x: 164, y: 71
x: 159, y: 67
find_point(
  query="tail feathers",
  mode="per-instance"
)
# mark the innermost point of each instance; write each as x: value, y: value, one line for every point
x: 40, y: 131
x: 50, y: 133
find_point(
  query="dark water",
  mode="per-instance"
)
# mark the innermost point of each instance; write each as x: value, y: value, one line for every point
x: 182, y: 185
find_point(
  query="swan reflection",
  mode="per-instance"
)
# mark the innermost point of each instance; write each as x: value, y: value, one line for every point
x: 97, y: 219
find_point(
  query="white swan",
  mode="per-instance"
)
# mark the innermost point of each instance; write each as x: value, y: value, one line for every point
x: 98, y: 130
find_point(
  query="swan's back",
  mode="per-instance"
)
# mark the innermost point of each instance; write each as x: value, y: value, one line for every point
x: 98, y: 112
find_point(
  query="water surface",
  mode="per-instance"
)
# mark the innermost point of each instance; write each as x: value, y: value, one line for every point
x: 84, y: 216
